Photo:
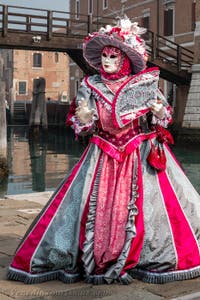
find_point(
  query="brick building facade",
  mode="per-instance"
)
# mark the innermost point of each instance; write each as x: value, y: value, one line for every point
x: 53, y: 66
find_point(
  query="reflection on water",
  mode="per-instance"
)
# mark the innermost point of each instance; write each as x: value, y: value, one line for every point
x: 189, y: 157
x: 37, y: 165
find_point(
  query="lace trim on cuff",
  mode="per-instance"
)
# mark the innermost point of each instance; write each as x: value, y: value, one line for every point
x: 163, y: 122
x: 80, y: 128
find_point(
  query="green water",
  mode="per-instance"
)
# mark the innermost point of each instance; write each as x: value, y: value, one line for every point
x: 39, y: 164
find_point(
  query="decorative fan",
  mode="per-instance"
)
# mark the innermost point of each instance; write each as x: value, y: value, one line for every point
x: 135, y: 97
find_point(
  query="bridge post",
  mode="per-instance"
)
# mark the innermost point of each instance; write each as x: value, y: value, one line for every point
x: 178, y: 58
x: 49, y: 25
x: 181, y: 100
x: 153, y: 46
x: 192, y: 111
x: 89, y: 25
x: 5, y: 20
x: 28, y: 24
x: 68, y: 27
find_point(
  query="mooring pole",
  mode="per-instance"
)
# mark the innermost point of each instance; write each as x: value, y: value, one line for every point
x: 38, y: 116
x: 3, y: 127
x: 3, y: 130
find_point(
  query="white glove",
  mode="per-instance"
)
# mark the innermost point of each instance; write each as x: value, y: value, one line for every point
x: 83, y: 113
x: 158, y: 109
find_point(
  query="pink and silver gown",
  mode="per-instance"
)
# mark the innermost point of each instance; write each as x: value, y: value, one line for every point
x: 114, y: 217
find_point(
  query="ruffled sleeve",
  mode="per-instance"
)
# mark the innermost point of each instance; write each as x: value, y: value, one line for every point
x: 84, y: 92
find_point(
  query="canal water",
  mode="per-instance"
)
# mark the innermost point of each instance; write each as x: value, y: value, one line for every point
x: 39, y: 164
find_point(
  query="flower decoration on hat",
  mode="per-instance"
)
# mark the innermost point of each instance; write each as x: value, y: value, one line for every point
x: 125, y: 35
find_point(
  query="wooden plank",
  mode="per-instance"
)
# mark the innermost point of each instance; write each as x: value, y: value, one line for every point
x: 24, y: 15
x: 25, y: 24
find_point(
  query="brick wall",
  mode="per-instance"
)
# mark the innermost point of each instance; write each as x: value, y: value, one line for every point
x: 54, y: 68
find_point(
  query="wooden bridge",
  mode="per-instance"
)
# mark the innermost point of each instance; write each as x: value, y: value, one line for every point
x: 39, y: 29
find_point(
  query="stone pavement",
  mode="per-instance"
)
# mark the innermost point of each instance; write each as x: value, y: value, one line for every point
x: 17, y: 213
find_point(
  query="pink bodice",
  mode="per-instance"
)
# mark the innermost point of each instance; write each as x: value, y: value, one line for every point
x: 107, y: 125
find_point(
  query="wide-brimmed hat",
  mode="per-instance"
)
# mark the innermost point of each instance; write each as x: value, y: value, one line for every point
x: 125, y: 36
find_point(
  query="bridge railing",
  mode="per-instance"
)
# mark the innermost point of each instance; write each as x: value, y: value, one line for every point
x: 169, y: 52
x: 49, y: 22
x: 15, y: 19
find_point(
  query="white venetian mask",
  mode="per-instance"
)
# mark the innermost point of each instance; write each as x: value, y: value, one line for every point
x: 111, y: 59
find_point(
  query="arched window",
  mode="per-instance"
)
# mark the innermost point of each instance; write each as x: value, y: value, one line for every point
x: 37, y: 60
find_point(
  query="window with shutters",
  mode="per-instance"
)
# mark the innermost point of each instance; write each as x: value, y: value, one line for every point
x: 37, y: 60
x: 22, y: 87
x: 193, y: 15
x: 168, y: 22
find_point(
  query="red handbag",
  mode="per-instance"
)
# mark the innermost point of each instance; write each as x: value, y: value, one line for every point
x: 157, y: 158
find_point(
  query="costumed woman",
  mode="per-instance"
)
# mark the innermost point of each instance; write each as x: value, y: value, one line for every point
x: 126, y: 210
